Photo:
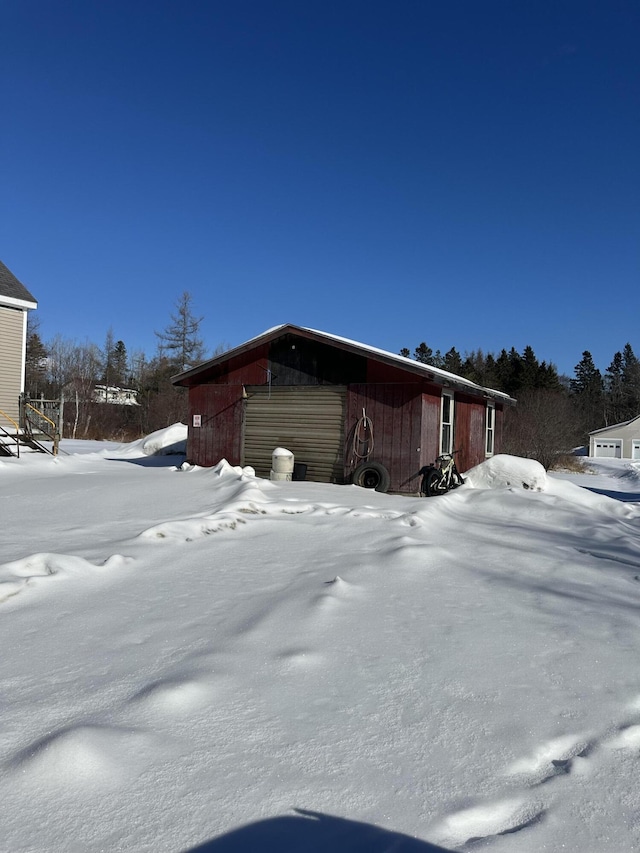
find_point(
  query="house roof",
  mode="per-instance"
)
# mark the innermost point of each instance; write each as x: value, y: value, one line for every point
x: 614, y: 426
x: 13, y: 292
x: 426, y: 371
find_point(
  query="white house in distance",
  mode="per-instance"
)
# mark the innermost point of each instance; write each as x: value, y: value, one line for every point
x: 619, y: 441
x: 114, y: 394
x: 15, y: 302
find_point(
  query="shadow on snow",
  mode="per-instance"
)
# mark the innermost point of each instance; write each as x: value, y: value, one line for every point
x: 312, y: 832
x: 165, y: 460
x: 625, y: 497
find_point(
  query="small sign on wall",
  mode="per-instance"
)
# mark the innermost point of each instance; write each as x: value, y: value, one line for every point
x: 197, y: 420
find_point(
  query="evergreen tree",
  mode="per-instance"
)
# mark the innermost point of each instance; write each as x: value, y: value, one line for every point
x: 529, y: 369
x: 509, y: 372
x: 503, y: 371
x: 452, y: 361
x: 615, y: 408
x: 548, y: 377
x: 423, y: 354
x: 114, y: 360
x: 473, y: 367
x: 516, y: 369
x: 588, y: 379
x: 438, y: 359
x: 630, y: 383
x: 587, y: 389
x: 120, y: 366
x: 490, y: 373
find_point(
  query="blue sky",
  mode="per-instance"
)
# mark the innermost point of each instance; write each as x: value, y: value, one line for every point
x: 462, y: 173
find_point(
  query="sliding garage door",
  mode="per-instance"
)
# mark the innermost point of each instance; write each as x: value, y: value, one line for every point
x: 307, y: 420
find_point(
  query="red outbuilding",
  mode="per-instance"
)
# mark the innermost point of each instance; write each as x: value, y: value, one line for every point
x: 340, y: 407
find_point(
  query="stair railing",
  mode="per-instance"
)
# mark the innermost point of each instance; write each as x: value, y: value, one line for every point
x: 52, y: 434
x: 6, y: 434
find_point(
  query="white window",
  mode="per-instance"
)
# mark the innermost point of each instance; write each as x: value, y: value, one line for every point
x: 491, y: 429
x: 446, y: 420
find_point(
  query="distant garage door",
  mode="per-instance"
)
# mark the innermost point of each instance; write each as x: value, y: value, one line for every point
x: 307, y: 420
x: 610, y: 448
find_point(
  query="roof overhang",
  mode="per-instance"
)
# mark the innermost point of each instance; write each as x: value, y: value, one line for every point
x: 23, y: 304
x: 614, y: 426
x: 423, y: 371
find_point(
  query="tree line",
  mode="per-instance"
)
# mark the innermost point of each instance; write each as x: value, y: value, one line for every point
x: 554, y: 413
x: 62, y: 368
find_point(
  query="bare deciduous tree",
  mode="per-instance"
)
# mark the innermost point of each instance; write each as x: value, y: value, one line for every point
x: 180, y: 342
x: 543, y: 426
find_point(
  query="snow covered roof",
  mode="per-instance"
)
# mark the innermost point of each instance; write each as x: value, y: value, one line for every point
x: 434, y: 374
x: 614, y: 426
x: 13, y: 292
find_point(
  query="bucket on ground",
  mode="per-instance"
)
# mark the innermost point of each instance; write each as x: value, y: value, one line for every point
x: 281, y: 464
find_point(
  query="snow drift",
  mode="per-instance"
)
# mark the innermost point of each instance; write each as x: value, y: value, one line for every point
x: 195, y: 658
x: 503, y: 471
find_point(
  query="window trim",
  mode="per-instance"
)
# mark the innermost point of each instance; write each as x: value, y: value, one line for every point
x: 490, y: 428
x: 450, y: 423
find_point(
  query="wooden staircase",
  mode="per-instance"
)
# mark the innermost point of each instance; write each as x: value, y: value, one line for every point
x: 37, y: 427
x: 12, y: 442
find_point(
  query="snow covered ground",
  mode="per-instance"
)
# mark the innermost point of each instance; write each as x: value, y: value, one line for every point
x: 197, y: 659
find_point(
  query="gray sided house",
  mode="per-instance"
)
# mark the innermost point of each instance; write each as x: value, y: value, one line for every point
x: 620, y: 441
x: 15, y: 302
x: 336, y: 405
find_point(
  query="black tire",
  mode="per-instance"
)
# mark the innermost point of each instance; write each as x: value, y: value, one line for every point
x: 435, y: 484
x: 372, y: 475
x: 456, y: 480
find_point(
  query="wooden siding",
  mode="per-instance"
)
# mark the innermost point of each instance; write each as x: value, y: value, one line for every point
x: 307, y: 420
x: 11, y: 362
x: 404, y: 408
x: 220, y: 408
x: 469, y: 435
x: 497, y: 438
x: 379, y: 372
x: 255, y: 372
x: 431, y: 411
x: 297, y: 361
x: 241, y: 369
x: 395, y: 412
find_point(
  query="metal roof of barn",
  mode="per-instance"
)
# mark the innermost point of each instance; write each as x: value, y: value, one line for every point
x: 427, y: 371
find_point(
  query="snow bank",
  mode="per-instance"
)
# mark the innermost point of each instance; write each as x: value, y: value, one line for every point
x: 503, y: 471
x: 236, y: 497
x: 461, y: 671
x: 162, y: 442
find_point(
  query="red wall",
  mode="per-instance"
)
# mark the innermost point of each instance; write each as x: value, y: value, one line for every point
x: 220, y: 434
x: 469, y: 433
x: 431, y: 405
x: 405, y: 412
x: 395, y: 411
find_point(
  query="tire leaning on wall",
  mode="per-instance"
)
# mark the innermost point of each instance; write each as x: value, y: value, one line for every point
x: 372, y: 475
